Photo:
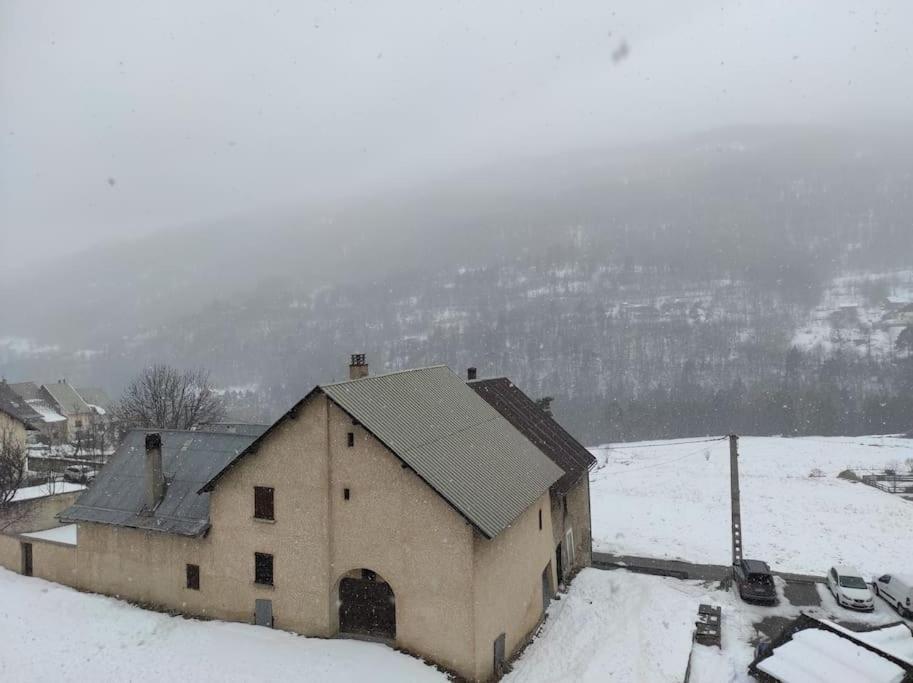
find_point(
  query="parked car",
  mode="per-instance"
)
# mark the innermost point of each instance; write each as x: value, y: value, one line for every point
x: 79, y: 474
x: 755, y: 582
x: 850, y: 589
x: 897, y: 591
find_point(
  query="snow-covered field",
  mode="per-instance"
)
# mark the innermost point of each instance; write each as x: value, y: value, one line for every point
x: 672, y: 501
x: 52, y: 633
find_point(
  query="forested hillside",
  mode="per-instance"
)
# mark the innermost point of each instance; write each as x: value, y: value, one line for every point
x: 745, y: 280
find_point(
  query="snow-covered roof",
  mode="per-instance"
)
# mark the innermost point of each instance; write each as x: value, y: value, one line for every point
x: 61, y: 534
x: 896, y: 640
x: 31, y: 492
x: 47, y: 413
x: 818, y: 656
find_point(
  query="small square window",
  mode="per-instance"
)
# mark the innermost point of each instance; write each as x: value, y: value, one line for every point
x: 345, y: 493
x: 193, y: 577
x: 263, y: 569
x: 350, y: 439
x: 263, y: 503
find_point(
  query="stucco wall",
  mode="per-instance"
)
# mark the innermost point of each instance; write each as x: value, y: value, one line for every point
x: 36, y: 514
x: 577, y: 505
x: 507, y: 586
x: 51, y: 561
x: 398, y: 526
x: 150, y: 567
x: 15, y: 428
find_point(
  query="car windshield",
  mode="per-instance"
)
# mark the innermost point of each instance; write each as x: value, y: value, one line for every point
x: 852, y: 582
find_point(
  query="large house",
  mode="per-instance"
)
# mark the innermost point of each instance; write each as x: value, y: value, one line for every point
x: 413, y: 507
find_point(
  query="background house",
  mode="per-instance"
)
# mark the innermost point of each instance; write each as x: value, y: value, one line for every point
x: 16, y: 417
x: 51, y: 426
x: 66, y: 401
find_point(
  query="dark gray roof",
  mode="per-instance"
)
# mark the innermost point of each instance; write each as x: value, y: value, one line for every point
x: 189, y: 460
x: 16, y: 407
x: 67, y: 399
x: 539, y: 427
x: 27, y: 390
x: 463, y: 448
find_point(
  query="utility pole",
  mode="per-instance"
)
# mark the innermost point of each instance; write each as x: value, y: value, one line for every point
x: 734, y: 497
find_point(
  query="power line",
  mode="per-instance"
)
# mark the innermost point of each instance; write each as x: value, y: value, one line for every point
x: 664, y: 443
x: 665, y: 462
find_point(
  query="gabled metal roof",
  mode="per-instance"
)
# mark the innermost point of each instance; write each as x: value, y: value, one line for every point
x: 539, y: 427
x: 189, y: 460
x: 67, y: 399
x: 455, y: 441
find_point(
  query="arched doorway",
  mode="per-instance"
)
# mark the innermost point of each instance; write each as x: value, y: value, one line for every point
x: 367, y: 606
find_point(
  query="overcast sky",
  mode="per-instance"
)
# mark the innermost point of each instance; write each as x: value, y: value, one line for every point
x: 117, y: 118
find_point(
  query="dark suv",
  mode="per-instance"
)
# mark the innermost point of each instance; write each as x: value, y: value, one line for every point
x: 754, y: 581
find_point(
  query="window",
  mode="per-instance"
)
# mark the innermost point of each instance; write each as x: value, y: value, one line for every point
x: 345, y: 494
x: 351, y: 439
x: 540, y: 519
x: 263, y: 569
x: 193, y: 577
x: 263, y: 503
x: 569, y: 546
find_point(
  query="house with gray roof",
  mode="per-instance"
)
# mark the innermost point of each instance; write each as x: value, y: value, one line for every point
x: 401, y: 507
x: 66, y: 401
x: 16, y: 417
x: 50, y: 424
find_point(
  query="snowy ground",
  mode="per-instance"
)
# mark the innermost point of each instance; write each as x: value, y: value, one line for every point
x: 53, y: 633
x: 613, y: 626
x: 619, y: 626
x: 672, y: 501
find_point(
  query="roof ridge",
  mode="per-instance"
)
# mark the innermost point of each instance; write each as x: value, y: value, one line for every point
x: 385, y: 374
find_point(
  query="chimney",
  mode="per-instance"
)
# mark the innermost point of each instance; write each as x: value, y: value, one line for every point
x: 471, y: 374
x: 358, y: 366
x: 154, y: 481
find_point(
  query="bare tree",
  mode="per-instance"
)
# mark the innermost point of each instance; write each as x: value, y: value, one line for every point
x: 12, y: 476
x: 164, y: 397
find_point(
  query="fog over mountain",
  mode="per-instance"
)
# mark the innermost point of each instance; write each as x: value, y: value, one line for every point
x: 674, y: 220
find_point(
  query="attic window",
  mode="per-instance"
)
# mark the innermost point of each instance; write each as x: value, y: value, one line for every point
x: 263, y: 503
x: 345, y: 494
x: 350, y: 439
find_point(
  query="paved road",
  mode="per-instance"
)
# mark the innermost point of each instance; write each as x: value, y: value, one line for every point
x: 683, y: 570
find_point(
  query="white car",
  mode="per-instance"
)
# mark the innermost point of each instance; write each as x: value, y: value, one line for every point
x: 897, y: 591
x: 850, y: 589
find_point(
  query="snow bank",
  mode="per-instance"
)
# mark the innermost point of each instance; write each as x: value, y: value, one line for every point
x: 53, y: 633
x: 672, y: 501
